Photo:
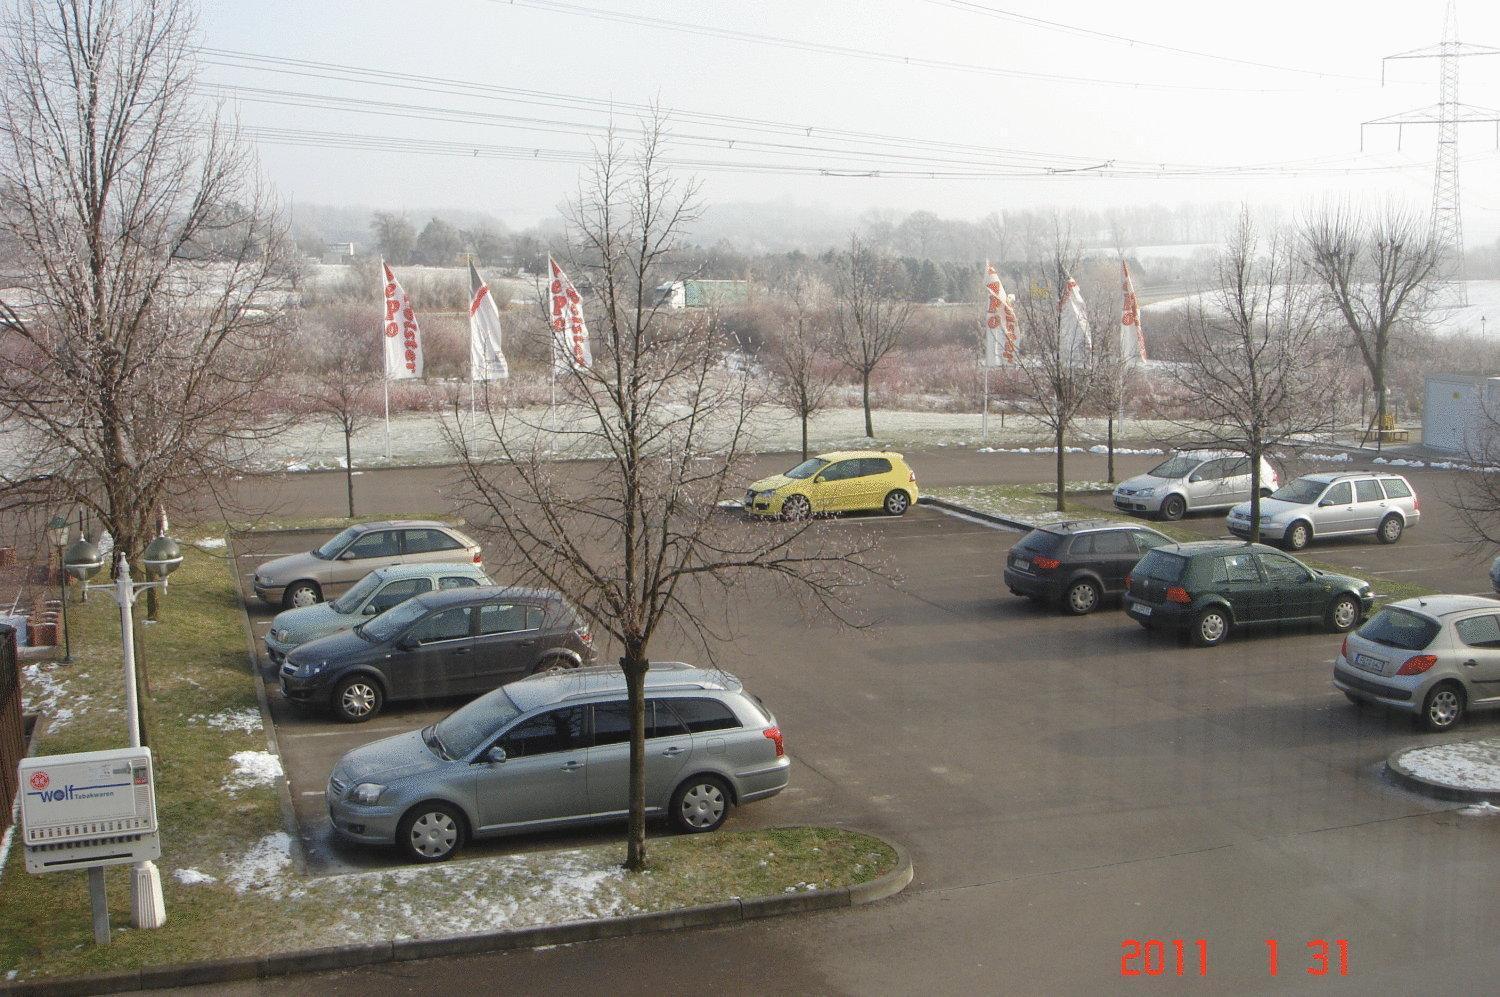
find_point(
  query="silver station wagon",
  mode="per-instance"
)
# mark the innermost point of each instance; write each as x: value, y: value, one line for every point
x: 553, y: 751
x: 1333, y: 505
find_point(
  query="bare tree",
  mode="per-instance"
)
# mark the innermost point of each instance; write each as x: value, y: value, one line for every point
x: 346, y: 371
x: 1055, y: 376
x: 1378, y: 270
x: 799, y: 354
x: 638, y: 540
x: 150, y: 265
x: 1254, y: 355
x: 867, y: 317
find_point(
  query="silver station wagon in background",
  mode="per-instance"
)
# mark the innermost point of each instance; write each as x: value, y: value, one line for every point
x: 381, y: 589
x: 1190, y: 481
x: 325, y: 571
x: 1338, y: 504
x: 553, y: 751
x: 1436, y: 657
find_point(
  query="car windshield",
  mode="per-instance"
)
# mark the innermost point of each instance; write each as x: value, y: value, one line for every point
x: 466, y: 728
x: 1179, y: 466
x: 1302, y: 491
x: 1160, y: 565
x: 807, y: 468
x: 331, y: 549
x: 351, y: 600
x: 392, y: 621
x: 1400, y: 628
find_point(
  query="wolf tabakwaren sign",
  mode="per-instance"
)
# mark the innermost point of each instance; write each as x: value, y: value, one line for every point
x: 93, y: 808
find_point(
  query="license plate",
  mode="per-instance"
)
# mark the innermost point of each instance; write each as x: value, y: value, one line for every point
x: 1020, y: 564
x: 1368, y: 663
x: 1140, y: 610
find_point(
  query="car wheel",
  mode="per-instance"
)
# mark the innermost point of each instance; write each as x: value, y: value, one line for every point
x: 1297, y: 536
x: 553, y: 665
x: 1343, y: 614
x: 1390, y: 529
x: 1211, y: 627
x: 1443, y: 707
x: 700, y: 804
x: 1173, y: 507
x: 1081, y: 598
x: 357, y: 699
x: 431, y: 832
x: 897, y: 502
x: 301, y: 594
x: 796, y: 507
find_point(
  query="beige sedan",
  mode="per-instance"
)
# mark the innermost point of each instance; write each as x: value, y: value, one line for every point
x: 318, y: 574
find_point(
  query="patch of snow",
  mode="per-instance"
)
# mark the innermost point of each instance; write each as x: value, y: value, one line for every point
x: 246, y: 720
x: 1100, y: 448
x: 1481, y: 809
x: 252, y: 768
x: 1336, y: 458
x: 263, y: 865
x: 192, y: 877
x: 43, y: 693
x: 211, y: 543
x: 1471, y: 765
x: 297, y: 467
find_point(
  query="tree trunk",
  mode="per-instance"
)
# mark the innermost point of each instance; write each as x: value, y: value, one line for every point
x: 635, y: 665
x: 1254, y: 456
x: 804, y: 435
x: 349, y: 470
x: 1377, y: 382
x: 865, y: 387
x: 1110, y: 472
x: 1061, y: 478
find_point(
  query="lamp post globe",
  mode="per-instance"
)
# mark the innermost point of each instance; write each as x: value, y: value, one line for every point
x: 82, y: 560
x: 162, y: 557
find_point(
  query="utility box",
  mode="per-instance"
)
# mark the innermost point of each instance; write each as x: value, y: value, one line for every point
x: 1461, y: 413
x: 93, y: 808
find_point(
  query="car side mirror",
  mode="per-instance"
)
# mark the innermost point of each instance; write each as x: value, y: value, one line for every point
x: 819, y: 480
x: 371, y: 609
x: 1325, y: 503
x: 347, y: 555
x: 408, y: 643
x: 495, y: 755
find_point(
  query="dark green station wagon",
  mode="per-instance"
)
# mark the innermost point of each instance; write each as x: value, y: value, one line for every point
x: 1206, y: 589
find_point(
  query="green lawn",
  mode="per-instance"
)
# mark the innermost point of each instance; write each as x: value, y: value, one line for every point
x: 227, y: 839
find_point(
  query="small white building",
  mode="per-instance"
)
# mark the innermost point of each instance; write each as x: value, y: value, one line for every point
x: 1460, y: 412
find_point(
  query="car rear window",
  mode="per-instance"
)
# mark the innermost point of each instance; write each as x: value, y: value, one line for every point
x: 1042, y: 542
x: 1161, y: 566
x: 1400, y: 628
x: 702, y: 715
x: 1395, y: 488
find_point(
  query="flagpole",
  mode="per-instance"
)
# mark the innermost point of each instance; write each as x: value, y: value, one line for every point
x: 984, y: 419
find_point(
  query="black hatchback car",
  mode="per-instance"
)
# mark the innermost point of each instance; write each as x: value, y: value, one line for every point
x: 1078, y: 564
x: 1206, y: 589
x: 452, y: 642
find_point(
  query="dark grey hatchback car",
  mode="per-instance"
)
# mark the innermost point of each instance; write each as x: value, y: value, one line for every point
x: 454, y: 642
x: 1077, y: 565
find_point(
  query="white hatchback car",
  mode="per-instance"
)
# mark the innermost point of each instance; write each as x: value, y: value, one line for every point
x: 1191, y: 481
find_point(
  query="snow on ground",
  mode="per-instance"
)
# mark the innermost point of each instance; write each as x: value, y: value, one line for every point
x: 247, y: 720
x: 211, y: 543
x: 251, y: 769
x: 263, y: 865
x: 1462, y: 765
x: 43, y: 694
x: 192, y: 877
x: 1480, y: 809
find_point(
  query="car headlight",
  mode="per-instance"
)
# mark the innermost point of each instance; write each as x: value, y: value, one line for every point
x: 367, y: 793
x: 279, y: 635
x: 1145, y: 492
x: 310, y: 668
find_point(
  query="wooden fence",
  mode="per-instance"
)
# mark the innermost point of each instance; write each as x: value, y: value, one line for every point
x: 12, y: 732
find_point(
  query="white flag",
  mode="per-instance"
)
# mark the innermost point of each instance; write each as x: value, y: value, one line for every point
x: 403, y: 340
x: 486, y: 361
x: 1132, y: 339
x: 1002, y: 337
x: 1073, y: 340
x: 570, y: 335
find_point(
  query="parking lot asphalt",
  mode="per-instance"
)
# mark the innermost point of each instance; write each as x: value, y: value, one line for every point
x: 1063, y: 785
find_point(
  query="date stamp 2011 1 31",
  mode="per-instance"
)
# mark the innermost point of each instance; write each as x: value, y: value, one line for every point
x: 1189, y: 957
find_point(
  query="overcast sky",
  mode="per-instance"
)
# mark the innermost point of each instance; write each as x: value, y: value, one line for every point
x: 1159, y: 108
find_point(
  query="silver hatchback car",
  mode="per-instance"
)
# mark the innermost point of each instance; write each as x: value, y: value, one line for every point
x: 1337, y: 504
x: 1190, y: 481
x: 553, y: 751
x: 1436, y: 657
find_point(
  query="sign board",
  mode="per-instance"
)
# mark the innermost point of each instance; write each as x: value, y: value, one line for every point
x: 93, y: 808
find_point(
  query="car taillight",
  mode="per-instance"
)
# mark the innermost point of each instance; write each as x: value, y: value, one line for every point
x: 1045, y: 563
x: 1127, y: 580
x: 1417, y: 664
x: 774, y: 734
x: 1344, y: 648
x: 1179, y: 594
x: 1416, y: 504
x: 478, y: 557
x: 911, y: 476
x: 585, y: 636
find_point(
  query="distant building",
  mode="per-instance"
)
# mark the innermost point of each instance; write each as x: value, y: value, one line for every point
x: 337, y: 253
x: 703, y: 294
x: 1456, y: 412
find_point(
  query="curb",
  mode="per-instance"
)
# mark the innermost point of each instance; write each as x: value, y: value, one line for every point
x: 1437, y: 790
x: 411, y: 949
x: 987, y: 517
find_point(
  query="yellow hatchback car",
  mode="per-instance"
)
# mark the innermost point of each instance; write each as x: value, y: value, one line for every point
x: 844, y: 481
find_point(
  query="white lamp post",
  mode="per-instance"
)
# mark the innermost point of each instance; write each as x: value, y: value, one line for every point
x: 83, y: 561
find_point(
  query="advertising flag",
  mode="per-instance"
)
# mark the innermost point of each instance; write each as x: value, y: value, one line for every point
x: 1002, y: 337
x: 1132, y: 339
x: 403, y: 340
x: 486, y: 361
x: 570, y: 336
x: 1073, y: 339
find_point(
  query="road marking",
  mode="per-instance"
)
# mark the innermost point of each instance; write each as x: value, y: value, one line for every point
x: 312, y: 792
x: 262, y: 556
x: 337, y: 733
